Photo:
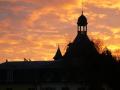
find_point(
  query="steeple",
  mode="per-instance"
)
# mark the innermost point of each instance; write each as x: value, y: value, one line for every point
x: 82, y: 24
x: 82, y: 47
x: 58, y: 54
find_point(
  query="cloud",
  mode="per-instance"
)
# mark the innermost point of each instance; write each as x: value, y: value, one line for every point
x: 106, y: 4
x: 33, y: 26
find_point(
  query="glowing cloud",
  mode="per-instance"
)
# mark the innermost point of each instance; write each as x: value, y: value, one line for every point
x: 28, y: 28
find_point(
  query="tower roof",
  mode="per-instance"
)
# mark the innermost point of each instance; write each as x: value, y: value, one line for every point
x: 82, y: 47
x: 58, y: 54
x: 82, y: 20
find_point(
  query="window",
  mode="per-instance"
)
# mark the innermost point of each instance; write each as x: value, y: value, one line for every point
x: 31, y: 89
x: 10, y: 76
x: 65, y: 88
x: 81, y: 88
x: 9, y: 89
x: 48, y: 88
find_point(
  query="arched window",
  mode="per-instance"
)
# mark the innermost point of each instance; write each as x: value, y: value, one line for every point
x: 81, y: 88
x: 9, y: 89
x: 9, y: 75
x: 65, y: 88
x: 32, y: 89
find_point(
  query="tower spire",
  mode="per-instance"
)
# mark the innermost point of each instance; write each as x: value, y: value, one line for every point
x: 82, y: 12
x: 82, y: 22
x: 58, y: 54
x: 82, y: 6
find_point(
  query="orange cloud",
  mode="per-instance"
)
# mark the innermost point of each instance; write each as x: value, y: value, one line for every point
x: 107, y: 4
x: 33, y: 26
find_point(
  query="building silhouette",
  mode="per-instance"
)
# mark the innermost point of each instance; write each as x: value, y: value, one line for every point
x: 80, y: 68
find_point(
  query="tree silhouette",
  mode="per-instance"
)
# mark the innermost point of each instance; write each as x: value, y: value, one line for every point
x: 99, y: 45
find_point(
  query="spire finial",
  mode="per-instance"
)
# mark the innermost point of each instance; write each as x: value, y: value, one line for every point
x: 82, y: 7
x: 82, y: 12
x: 58, y: 54
x: 58, y: 46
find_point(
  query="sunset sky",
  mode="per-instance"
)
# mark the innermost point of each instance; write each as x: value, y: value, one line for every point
x: 34, y: 28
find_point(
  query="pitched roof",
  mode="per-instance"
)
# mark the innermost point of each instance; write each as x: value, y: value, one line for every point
x: 81, y: 47
x: 30, y: 64
x: 58, y: 54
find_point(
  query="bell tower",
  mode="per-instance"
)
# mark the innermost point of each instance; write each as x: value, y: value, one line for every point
x: 82, y: 25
